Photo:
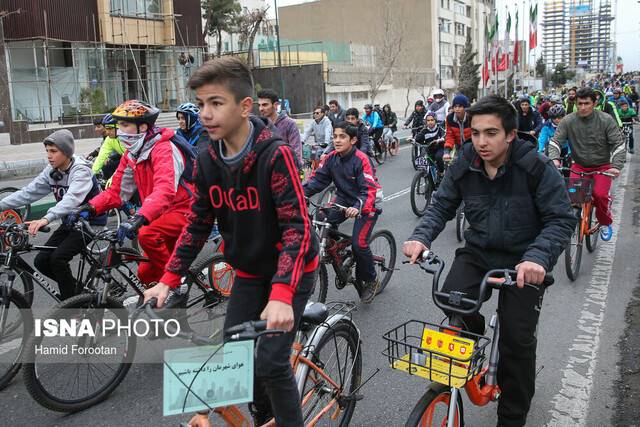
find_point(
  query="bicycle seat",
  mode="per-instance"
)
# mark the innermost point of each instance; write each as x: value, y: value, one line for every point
x: 131, y: 254
x: 315, y: 313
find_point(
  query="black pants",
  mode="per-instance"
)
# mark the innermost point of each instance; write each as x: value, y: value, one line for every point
x: 362, y: 229
x: 275, y: 388
x: 55, y: 264
x: 518, y: 312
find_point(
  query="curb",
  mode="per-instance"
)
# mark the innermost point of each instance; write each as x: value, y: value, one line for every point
x: 21, y: 169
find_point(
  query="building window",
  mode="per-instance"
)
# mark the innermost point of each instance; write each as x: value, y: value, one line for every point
x: 445, y: 49
x: 461, y: 29
x: 445, y: 4
x: 445, y: 26
x: 143, y: 9
x: 459, y: 8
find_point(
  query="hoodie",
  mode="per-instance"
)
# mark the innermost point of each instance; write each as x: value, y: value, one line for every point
x: 290, y: 134
x: 261, y: 214
x: 77, y: 187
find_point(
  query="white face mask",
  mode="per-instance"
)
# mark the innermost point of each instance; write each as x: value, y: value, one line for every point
x: 132, y: 141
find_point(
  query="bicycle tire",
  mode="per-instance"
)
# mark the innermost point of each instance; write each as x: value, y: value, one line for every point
x: 25, y: 211
x: 591, y: 240
x: 460, y: 222
x: 7, y: 336
x: 416, y: 197
x: 572, y: 261
x: 26, y: 290
x: 437, y: 393
x: 390, y: 260
x: 321, y: 285
x: 378, y: 155
x: 33, y: 376
x: 347, y: 331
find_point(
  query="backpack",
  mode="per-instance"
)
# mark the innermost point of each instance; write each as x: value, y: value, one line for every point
x: 189, y: 153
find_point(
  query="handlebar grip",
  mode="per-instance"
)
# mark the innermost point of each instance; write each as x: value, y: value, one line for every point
x: 45, y: 229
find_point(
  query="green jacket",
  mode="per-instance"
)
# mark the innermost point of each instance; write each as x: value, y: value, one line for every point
x: 608, y: 107
x: 109, y: 145
x: 627, y: 116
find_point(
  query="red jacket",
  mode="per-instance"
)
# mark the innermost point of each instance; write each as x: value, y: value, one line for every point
x: 452, y: 137
x: 155, y: 174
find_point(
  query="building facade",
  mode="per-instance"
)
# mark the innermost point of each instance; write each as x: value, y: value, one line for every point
x: 66, y: 58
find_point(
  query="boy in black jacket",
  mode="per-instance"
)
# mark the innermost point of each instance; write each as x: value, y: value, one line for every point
x: 247, y: 181
x: 358, y: 189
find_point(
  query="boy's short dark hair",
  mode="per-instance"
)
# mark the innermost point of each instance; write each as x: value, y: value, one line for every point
x: 334, y: 102
x: 348, y: 128
x: 352, y: 112
x: 586, y: 92
x: 498, y: 106
x: 229, y: 71
x: 269, y: 94
x: 322, y: 108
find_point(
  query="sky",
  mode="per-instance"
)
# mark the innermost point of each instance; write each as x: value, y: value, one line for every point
x: 626, y: 25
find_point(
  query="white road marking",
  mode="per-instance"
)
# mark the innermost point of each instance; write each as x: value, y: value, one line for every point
x: 396, y: 195
x: 571, y: 403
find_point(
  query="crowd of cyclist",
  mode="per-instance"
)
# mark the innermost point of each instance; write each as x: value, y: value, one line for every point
x: 224, y: 165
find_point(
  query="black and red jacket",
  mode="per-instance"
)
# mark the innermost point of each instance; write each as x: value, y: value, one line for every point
x: 261, y: 214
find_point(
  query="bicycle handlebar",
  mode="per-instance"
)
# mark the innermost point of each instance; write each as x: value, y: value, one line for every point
x: 564, y: 169
x: 455, y: 301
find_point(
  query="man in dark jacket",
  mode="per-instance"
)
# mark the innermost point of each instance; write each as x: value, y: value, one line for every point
x: 521, y: 218
x: 416, y: 119
x: 336, y: 113
x: 529, y: 120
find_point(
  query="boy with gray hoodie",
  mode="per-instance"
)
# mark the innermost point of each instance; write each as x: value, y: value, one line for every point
x: 72, y: 183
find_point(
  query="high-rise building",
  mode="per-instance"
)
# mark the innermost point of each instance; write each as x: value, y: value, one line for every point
x: 577, y: 33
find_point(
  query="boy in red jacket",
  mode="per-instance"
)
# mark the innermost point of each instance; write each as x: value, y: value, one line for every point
x: 458, y: 126
x: 153, y: 165
x: 247, y: 180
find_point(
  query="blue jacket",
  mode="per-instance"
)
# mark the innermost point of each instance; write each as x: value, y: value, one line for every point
x: 197, y: 136
x: 547, y: 132
x: 355, y: 179
x: 373, y: 120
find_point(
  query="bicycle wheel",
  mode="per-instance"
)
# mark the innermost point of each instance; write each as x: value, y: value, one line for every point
x: 383, y: 248
x: 592, y: 239
x: 433, y: 407
x: 460, y: 222
x: 321, y: 285
x: 85, y: 380
x: 573, y: 251
x: 394, y: 147
x: 22, y: 212
x: 323, y: 199
x: 421, y: 190
x: 23, y: 283
x: 339, y: 356
x: 16, y: 324
x: 212, y: 280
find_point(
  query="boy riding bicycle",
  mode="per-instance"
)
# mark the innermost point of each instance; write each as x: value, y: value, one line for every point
x: 520, y: 218
x: 70, y: 180
x: 247, y: 180
x: 356, y: 187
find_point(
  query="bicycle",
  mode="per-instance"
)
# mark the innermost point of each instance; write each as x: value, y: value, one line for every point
x: 17, y: 215
x: 425, y: 181
x: 105, y: 294
x: 461, y: 218
x: 587, y: 229
x: 311, y: 158
x: 452, y: 359
x: 393, y: 147
x: 335, y: 249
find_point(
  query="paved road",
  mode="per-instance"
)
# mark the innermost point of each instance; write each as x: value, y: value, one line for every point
x: 580, y: 326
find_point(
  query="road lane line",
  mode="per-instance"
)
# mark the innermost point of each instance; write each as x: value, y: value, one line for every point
x: 398, y: 194
x: 571, y: 403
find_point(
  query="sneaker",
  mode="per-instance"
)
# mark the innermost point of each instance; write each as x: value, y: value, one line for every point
x: 606, y: 232
x: 369, y: 291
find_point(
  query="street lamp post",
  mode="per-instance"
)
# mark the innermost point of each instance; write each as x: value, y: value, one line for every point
x: 280, y: 71
x: 439, y: 55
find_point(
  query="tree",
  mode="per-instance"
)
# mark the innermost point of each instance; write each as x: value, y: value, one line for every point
x: 248, y: 24
x: 220, y: 16
x: 561, y: 75
x: 468, y: 76
x: 388, y: 46
x: 541, y: 67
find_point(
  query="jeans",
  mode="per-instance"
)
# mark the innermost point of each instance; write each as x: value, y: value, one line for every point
x: 55, y: 264
x: 518, y: 312
x: 274, y: 390
x: 362, y: 229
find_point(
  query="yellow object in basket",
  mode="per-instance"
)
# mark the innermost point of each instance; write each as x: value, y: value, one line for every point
x: 452, y: 371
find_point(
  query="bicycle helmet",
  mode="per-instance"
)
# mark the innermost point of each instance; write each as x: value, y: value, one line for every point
x: 555, y: 99
x: 437, y: 92
x: 556, y: 111
x: 109, y: 122
x: 191, y: 113
x: 135, y: 111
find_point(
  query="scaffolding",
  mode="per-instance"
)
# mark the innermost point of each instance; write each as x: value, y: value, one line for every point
x: 54, y: 81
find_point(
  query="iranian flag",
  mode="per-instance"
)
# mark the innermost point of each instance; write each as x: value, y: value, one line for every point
x: 504, y: 60
x: 533, y: 28
x: 516, y: 48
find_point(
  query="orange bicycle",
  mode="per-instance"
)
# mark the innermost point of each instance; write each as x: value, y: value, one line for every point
x: 326, y: 359
x: 587, y: 230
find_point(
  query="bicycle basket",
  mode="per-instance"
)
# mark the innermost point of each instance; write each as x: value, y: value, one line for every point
x: 435, y: 352
x: 579, y: 189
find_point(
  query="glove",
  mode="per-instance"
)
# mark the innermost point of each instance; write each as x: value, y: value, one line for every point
x: 85, y: 211
x: 129, y: 228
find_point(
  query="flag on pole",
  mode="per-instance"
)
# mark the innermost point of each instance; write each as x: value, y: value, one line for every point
x: 485, y: 66
x: 533, y: 26
x: 504, y: 59
x: 493, y: 38
x: 516, y: 48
